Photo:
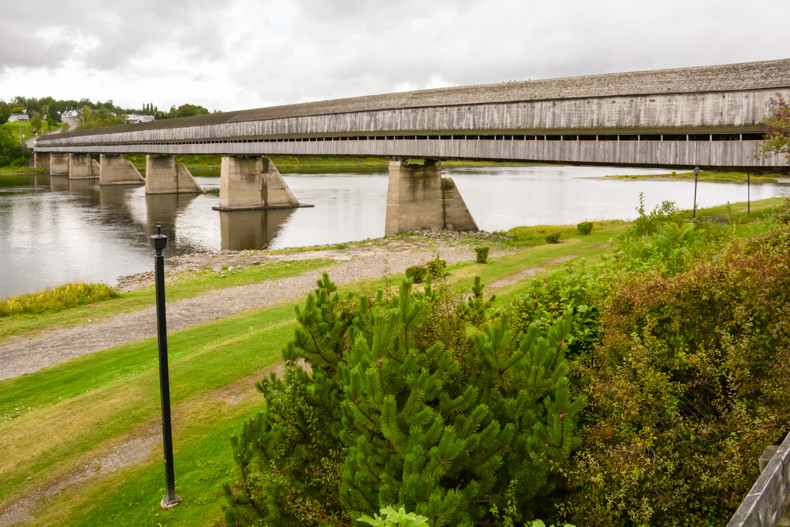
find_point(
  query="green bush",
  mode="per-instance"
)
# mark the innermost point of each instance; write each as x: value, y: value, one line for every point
x: 553, y: 237
x: 416, y: 273
x: 781, y: 214
x: 392, y: 518
x: 574, y: 292
x: 59, y: 298
x: 436, y: 267
x: 585, y: 228
x: 690, y: 382
x: 380, y: 415
x: 482, y: 254
x: 647, y: 222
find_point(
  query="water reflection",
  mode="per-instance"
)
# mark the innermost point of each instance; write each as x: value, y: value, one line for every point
x: 59, y: 183
x: 164, y: 209
x: 254, y: 229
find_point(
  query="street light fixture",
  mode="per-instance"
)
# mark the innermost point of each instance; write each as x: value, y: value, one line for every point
x: 159, y: 242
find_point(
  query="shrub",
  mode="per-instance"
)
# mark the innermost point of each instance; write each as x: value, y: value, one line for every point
x: 57, y: 299
x: 553, y: 237
x: 691, y: 382
x: 646, y: 223
x: 392, y: 518
x: 416, y: 273
x: 436, y: 267
x: 781, y: 214
x: 574, y: 292
x: 584, y: 228
x: 378, y: 416
x: 482, y: 254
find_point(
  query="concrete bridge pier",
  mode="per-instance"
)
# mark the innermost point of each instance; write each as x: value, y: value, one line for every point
x: 116, y: 170
x: 41, y: 160
x: 58, y: 164
x: 419, y: 198
x: 164, y: 174
x: 253, y: 183
x: 81, y: 166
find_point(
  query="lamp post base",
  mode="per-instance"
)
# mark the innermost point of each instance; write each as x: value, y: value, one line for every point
x: 169, y: 504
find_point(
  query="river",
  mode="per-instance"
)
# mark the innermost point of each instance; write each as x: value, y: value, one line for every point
x: 54, y: 231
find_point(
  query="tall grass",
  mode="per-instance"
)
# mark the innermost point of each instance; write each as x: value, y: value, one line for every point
x: 51, y: 300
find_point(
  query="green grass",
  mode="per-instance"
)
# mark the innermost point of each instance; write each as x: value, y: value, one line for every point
x: 92, y: 399
x: 23, y: 170
x: 709, y: 175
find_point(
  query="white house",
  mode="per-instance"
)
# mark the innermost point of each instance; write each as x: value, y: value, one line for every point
x: 134, y: 118
x: 16, y: 117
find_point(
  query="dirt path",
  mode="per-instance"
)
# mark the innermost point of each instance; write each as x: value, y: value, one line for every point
x: 26, y: 355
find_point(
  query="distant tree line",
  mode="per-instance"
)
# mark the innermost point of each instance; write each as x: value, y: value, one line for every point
x: 46, y: 114
x: 88, y: 114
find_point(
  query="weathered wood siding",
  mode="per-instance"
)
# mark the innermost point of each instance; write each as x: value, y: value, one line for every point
x: 733, y: 154
x: 719, y: 112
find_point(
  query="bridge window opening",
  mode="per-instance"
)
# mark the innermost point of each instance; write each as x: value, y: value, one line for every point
x: 650, y: 137
x: 628, y: 137
x: 587, y: 137
x: 699, y: 137
x: 552, y: 137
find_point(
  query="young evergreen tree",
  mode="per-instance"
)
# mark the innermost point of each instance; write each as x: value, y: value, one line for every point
x: 372, y: 414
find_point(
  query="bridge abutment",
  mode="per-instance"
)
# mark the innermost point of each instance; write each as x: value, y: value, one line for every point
x: 81, y: 166
x: 419, y: 198
x: 253, y: 183
x: 41, y: 160
x: 116, y: 170
x: 164, y: 174
x: 58, y: 164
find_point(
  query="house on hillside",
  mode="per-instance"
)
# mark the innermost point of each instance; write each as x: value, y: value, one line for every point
x: 17, y: 117
x: 134, y: 118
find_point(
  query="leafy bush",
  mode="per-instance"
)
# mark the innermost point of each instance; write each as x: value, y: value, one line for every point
x: 436, y: 267
x: 57, y: 299
x: 584, y: 228
x: 392, y: 518
x: 691, y: 382
x: 378, y: 416
x: 482, y: 254
x: 553, y: 237
x: 416, y: 273
x: 781, y: 214
x: 663, y: 242
x: 576, y: 293
x: 646, y: 223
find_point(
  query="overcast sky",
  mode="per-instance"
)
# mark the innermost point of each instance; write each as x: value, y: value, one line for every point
x: 239, y: 54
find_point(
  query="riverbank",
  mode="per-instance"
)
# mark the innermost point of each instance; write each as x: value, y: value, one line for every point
x: 711, y: 175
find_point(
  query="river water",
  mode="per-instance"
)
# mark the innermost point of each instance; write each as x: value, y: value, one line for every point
x: 54, y: 231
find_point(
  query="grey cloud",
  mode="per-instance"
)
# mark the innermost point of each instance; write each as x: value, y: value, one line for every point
x: 123, y: 30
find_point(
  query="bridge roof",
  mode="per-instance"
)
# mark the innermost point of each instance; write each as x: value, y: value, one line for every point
x: 728, y: 77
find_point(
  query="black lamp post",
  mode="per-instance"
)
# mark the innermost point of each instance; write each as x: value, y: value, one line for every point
x: 696, y: 176
x: 159, y: 242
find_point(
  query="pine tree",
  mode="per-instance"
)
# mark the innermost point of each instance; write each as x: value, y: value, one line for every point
x: 379, y: 416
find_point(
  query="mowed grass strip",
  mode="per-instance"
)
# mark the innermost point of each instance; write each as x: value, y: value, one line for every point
x: 50, y: 438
